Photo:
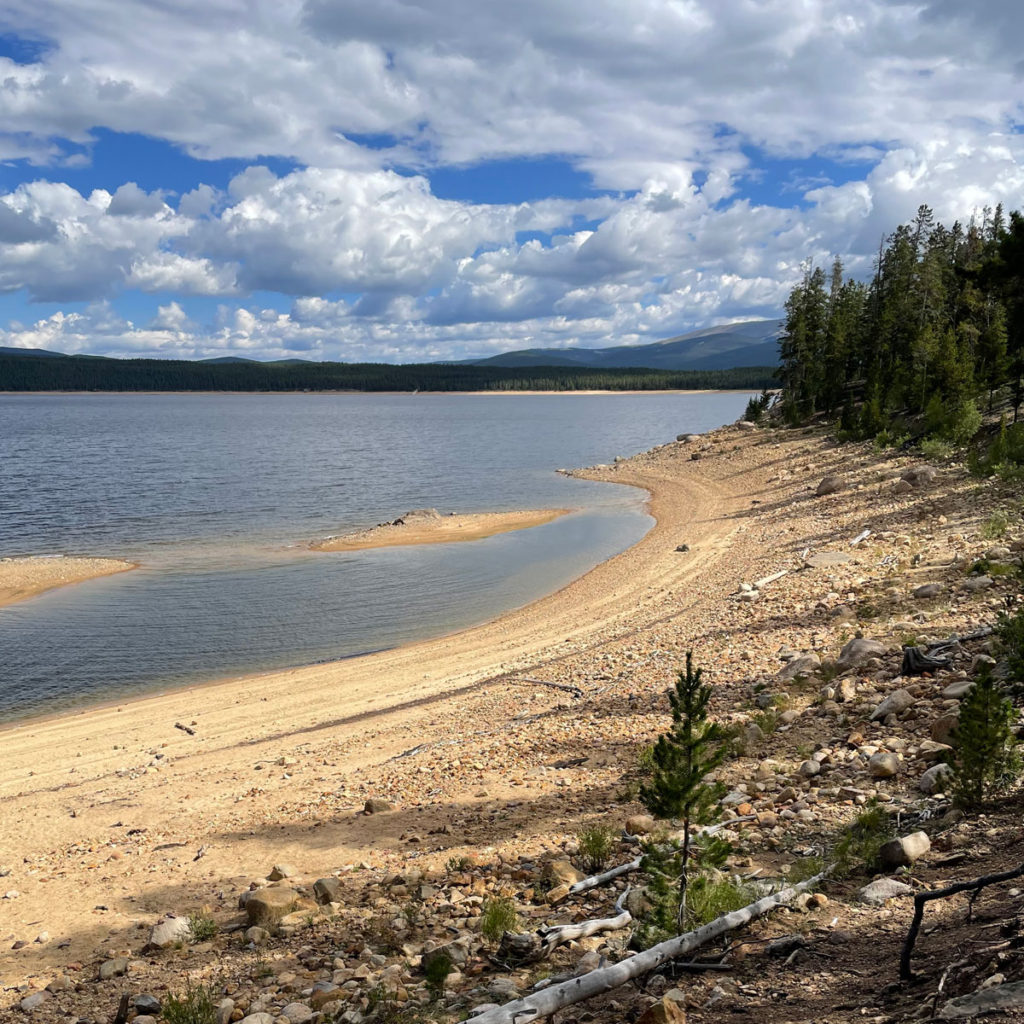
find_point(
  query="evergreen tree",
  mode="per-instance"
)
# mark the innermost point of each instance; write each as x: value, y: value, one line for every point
x: 683, y: 757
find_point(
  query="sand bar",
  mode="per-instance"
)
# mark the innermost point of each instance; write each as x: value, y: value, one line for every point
x: 21, y: 578
x: 428, y: 526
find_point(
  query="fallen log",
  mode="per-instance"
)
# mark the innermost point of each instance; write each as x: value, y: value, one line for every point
x: 539, y: 1005
x: 606, y: 876
x: 921, y: 898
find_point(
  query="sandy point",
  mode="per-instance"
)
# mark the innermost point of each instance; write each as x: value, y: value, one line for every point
x: 21, y: 578
x: 428, y: 526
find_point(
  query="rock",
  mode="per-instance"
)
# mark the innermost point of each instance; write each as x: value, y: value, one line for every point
x: 682, y: 547
x: 798, y: 668
x: 901, y: 853
x: 929, y: 750
x: 857, y: 651
x: 927, y: 591
x: 563, y: 872
x: 830, y: 485
x: 259, y: 1017
x: 935, y: 779
x: 996, y: 999
x: 62, y: 983
x: 640, y: 825
x: 327, y: 890
x: 746, y: 425
x: 944, y: 729
x: 846, y: 689
x: 883, y: 765
x: 882, y: 889
x: 826, y: 559
x: 665, y: 1011
x: 225, y: 1008
x: 998, y: 554
x: 897, y: 701
x: 958, y: 689
x: 113, y: 968
x: 280, y: 871
x: 34, y: 1001
x: 809, y: 769
x: 377, y: 806
x: 144, y: 1018
x: 257, y: 936
x: 298, y: 1013
x: 267, y: 906
x: 169, y: 932
x: 147, y: 1003
x: 456, y: 953
x: 975, y: 583
x: 753, y: 735
x: 918, y: 476
x: 902, y: 487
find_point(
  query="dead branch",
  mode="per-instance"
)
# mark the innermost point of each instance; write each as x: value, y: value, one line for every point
x: 921, y: 898
x: 606, y: 876
x: 574, y: 690
x: 184, y: 728
x: 764, y: 581
x: 543, y: 1004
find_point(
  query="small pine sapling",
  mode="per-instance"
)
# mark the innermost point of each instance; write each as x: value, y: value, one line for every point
x: 682, y: 758
x: 987, y: 761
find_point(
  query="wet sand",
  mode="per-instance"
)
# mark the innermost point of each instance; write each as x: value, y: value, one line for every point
x: 22, y: 578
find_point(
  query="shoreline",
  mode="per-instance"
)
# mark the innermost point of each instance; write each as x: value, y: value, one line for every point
x: 25, y: 577
x: 352, y: 717
x: 428, y: 526
x: 408, y: 394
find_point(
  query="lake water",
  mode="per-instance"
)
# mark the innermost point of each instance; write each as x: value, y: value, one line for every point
x: 218, y: 495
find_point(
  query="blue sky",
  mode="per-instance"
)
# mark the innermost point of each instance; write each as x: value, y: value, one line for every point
x: 404, y: 181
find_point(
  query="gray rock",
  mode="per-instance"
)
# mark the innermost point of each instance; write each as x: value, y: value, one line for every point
x: 927, y: 591
x: 882, y: 889
x: 113, y: 968
x: 753, y: 734
x: 857, y: 651
x: 377, y: 806
x: 998, y: 554
x: 169, y: 932
x: 34, y: 1001
x: 897, y: 701
x: 902, y: 487
x: 883, y: 765
x: 830, y: 485
x: 958, y: 689
x: 976, y: 583
x: 929, y: 750
x: 901, y: 853
x: 810, y: 768
x: 257, y: 936
x: 259, y: 1017
x: 147, y: 1003
x: 935, y: 779
x: 918, y: 476
x: 996, y: 999
x: 62, y: 983
x: 798, y: 668
x: 144, y: 1018
x: 456, y: 953
x: 298, y: 1013
x: 327, y: 890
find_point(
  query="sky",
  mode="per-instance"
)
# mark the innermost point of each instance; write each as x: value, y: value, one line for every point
x: 413, y: 180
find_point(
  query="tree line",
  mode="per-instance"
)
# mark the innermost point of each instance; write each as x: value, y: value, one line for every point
x: 88, y: 373
x: 929, y: 341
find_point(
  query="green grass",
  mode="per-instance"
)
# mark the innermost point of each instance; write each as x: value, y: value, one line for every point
x: 858, y: 848
x: 596, y: 843
x: 202, y: 926
x: 193, y: 1006
x: 497, y: 917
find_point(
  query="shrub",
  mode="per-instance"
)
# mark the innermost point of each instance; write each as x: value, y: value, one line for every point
x: 756, y: 407
x: 438, y: 968
x: 1010, y: 638
x: 935, y: 448
x: 987, y: 759
x: 596, y: 843
x: 194, y: 1006
x: 497, y: 917
x: 202, y: 926
x: 996, y: 525
x: 862, y: 840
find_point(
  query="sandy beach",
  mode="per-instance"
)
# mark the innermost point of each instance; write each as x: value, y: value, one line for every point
x: 428, y: 526
x: 115, y: 815
x: 21, y: 578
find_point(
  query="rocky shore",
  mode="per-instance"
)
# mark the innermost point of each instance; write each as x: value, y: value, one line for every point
x: 311, y: 842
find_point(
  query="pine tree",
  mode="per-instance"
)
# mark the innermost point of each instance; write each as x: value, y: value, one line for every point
x: 683, y: 757
x: 988, y: 761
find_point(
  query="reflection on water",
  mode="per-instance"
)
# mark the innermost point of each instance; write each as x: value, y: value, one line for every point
x: 216, y: 495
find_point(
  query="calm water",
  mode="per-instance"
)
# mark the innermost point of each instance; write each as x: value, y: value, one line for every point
x: 217, y: 495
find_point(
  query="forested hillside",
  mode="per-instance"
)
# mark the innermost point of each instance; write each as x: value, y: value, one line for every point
x: 84, y: 373
x: 929, y: 341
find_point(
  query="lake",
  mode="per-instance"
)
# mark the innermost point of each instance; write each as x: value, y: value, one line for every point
x: 217, y: 496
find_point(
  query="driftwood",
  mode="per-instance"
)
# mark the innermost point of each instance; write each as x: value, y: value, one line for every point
x: 606, y: 876
x: 863, y: 535
x: 921, y: 898
x: 764, y: 581
x: 121, y: 1017
x: 543, y: 1004
x: 574, y: 690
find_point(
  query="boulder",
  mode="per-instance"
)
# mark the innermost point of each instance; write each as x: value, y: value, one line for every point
x: 146, y: 1003
x: 881, y: 889
x: 901, y: 853
x: 34, y: 1001
x: 936, y: 779
x: 298, y: 1013
x: 975, y: 583
x: 994, y: 999
x: 798, y: 668
x: 169, y: 932
x: 919, y: 476
x: 327, y: 890
x: 562, y: 872
x: 455, y: 953
x: 267, y: 906
x: 857, y: 651
x: 958, y: 689
x: 883, y: 765
x: 927, y: 591
x: 377, y: 806
x: 897, y: 701
x: 640, y: 825
x: 665, y: 1011
x: 830, y: 485
x: 902, y: 487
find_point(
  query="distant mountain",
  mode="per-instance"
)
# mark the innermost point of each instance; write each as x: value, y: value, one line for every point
x: 753, y: 343
x: 7, y: 351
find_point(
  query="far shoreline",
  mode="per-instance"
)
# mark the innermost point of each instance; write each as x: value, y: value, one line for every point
x: 408, y: 394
